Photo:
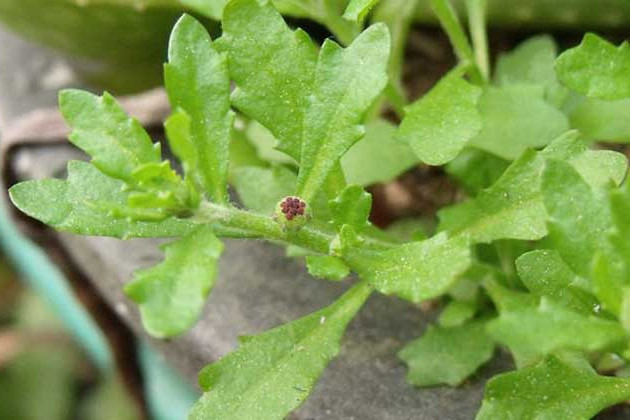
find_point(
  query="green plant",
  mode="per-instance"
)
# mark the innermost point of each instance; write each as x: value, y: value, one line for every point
x: 534, y: 259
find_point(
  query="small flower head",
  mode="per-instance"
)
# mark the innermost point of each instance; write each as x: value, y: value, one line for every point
x: 292, y: 213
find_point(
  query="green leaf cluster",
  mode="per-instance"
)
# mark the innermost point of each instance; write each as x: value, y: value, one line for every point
x: 532, y: 258
x: 548, y: 272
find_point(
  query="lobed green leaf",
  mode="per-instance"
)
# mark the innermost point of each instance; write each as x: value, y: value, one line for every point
x: 602, y: 120
x: 544, y: 273
x: 327, y: 267
x: 347, y: 81
x: 596, y: 68
x: 265, y: 143
x: 379, y: 151
x: 171, y: 295
x: 532, y: 63
x: 273, y: 68
x: 513, y: 207
x: 86, y: 203
x: 611, y: 264
x: 415, y: 271
x: 515, y: 118
x: 351, y: 207
x: 197, y: 81
x: 578, y: 220
x: 456, y: 313
x: 440, y: 124
x: 272, y: 373
x: 177, y: 127
x: 608, y: 284
x: 620, y: 211
x: 550, y: 328
x: 553, y: 389
x: 508, y: 300
x: 117, y: 143
x: 447, y: 355
x: 476, y: 170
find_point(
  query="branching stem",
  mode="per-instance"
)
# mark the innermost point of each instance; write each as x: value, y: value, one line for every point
x: 230, y: 221
x: 456, y: 34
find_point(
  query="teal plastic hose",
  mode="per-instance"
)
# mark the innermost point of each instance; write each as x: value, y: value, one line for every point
x: 41, y: 275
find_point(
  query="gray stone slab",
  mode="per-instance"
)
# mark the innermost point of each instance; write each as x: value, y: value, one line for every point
x: 259, y: 288
x: 30, y: 76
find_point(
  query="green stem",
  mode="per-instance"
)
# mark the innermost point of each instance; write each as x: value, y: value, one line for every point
x: 453, y: 28
x: 344, y: 30
x: 477, y: 24
x: 545, y: 14
x: 315, y: 236
x: 397, y: 98
x: 252, y: 225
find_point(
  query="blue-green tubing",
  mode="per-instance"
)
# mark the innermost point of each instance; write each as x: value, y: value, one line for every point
x: 45, y: 279
x: 41, y: 275
x: 168, y: 396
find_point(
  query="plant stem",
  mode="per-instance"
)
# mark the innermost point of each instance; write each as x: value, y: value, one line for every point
x: 453, y: 28
x: 396, y: 96
x: 344, y: 30
x: 232, y: 222
x: 477, y: 25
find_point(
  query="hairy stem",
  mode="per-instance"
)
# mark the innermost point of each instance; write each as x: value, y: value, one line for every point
x: 315, y: 236
x: 230, y: 221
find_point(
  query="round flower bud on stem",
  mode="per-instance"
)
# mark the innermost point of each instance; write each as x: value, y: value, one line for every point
x: 292, y: 213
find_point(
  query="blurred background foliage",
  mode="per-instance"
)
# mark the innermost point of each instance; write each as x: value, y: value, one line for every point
x: 121, y: 44
x: 43, y: 373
